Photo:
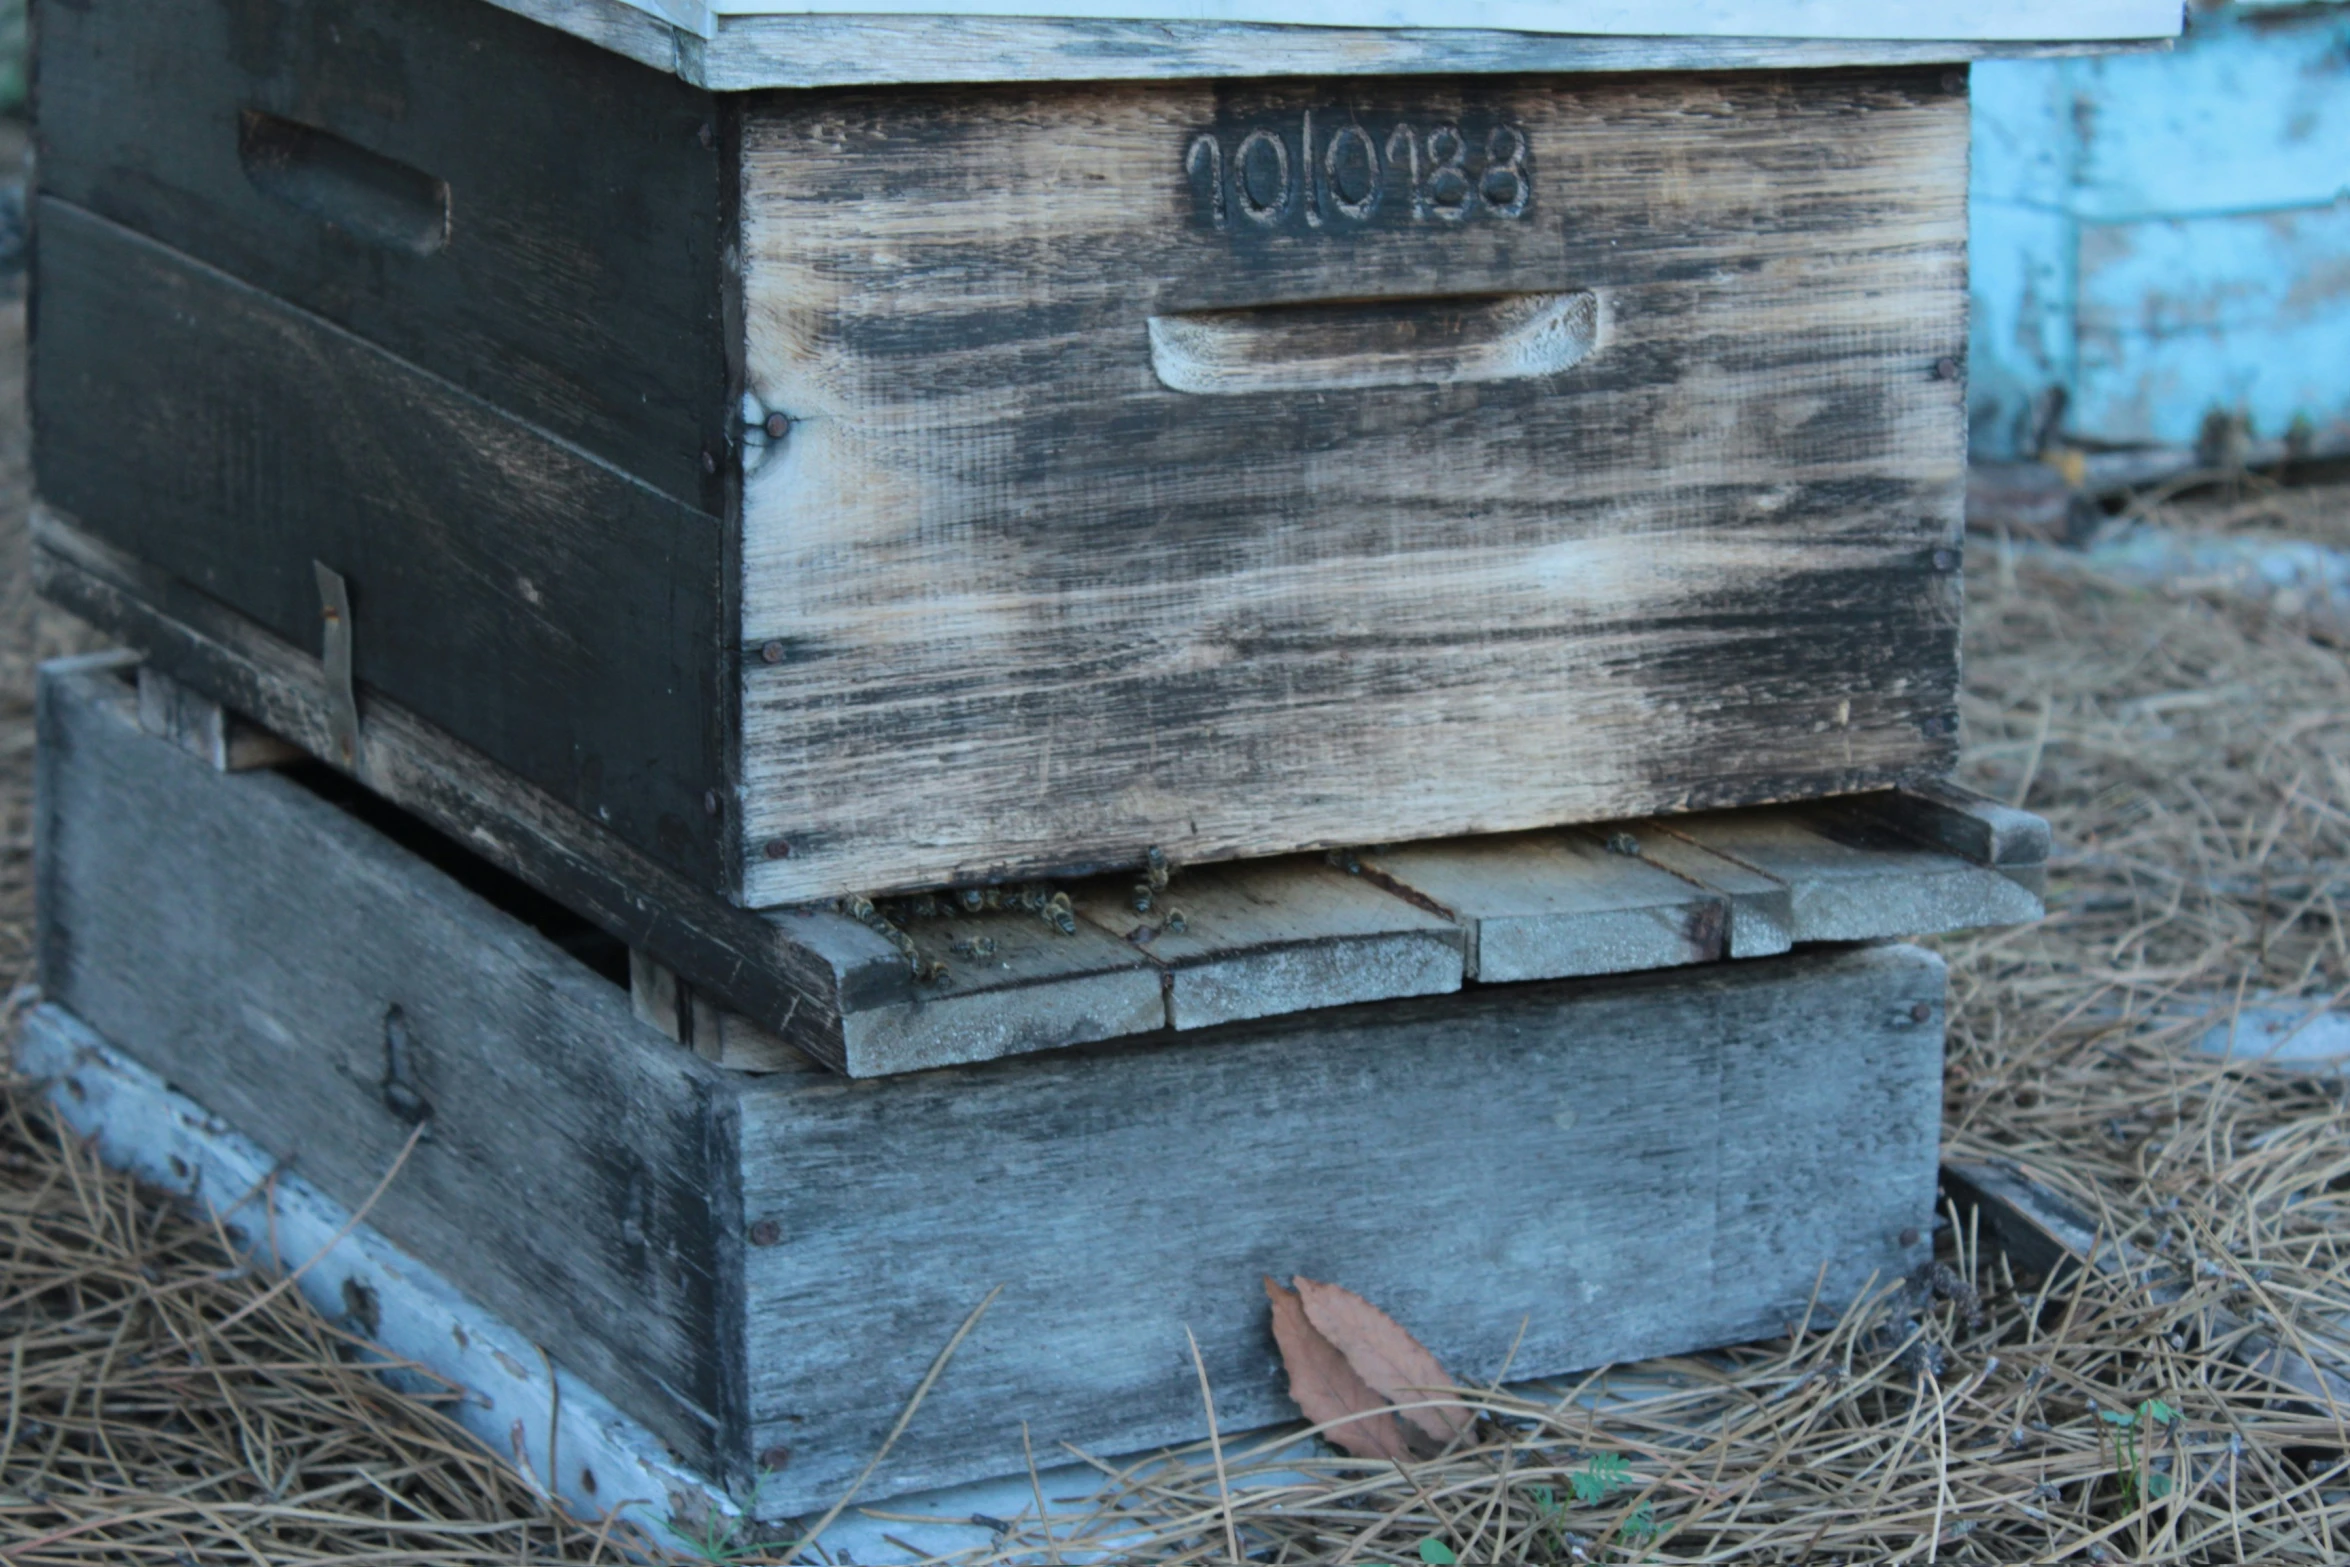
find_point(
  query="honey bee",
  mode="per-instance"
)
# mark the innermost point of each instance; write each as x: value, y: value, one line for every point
x: 973, y: 947
x: 1156, y: 870
x: 1345, y: 860
x: 1142, y: 897
x: 1176, y: 923
x: 1622, y: 843
x: 972, y: 899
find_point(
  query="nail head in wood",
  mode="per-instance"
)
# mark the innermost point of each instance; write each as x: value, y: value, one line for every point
x: 775, y: 1457
x: 777, y: 426
x: 1908, y: 1237
x: 1945, y: 369
x: 778, y: 849
x: 771, y: 652
x: 766, y: 1233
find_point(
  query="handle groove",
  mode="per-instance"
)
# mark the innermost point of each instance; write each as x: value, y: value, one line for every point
x: 1368, y: 343
x: 376, y: 199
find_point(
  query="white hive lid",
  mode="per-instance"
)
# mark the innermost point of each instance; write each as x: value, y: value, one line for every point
x: 740, y: 45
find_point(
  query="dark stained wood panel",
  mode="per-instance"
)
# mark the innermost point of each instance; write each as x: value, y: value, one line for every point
x: 530, y: 600
x: 1026, y: 605
x: 588, y: 196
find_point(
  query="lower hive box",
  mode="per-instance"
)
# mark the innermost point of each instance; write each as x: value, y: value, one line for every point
x: 761, y: 1267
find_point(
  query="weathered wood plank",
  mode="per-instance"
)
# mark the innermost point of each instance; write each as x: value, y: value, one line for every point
x: 810, y: 971
x: 326, y: 990
x: 1267, y: 937
x: 1762, y: 910
x: 555, y: 614
x: 580, y: 282
x: 1850, y: 880
x: 1007, y: 990
x: 2013, y: 842
x: 1688, y: 1154
x: 1011, y: 984
x: 1556, y: 905
x: 752, y: 52
x: 1712, y: 563
x: 206, y: 730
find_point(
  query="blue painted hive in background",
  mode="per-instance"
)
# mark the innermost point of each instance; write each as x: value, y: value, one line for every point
x: 2160, y: 239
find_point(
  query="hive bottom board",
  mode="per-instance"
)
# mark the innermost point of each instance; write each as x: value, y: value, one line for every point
x: 759, y: 1269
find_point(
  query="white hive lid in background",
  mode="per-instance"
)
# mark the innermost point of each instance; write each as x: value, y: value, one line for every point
x: 742, y: 45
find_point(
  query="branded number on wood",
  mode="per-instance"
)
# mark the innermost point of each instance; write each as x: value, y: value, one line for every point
x: 1343, y: 171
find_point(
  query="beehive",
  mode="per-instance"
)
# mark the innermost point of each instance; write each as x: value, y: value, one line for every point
x: 839, y: 486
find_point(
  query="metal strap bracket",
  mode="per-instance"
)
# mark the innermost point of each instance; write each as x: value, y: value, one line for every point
x: 342, y: 695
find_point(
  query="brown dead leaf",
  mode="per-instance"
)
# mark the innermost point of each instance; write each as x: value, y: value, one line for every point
x: 1328, y: 1390
x: 1395, y: 1364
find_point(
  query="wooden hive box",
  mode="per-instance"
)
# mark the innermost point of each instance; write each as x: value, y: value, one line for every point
x: 760, y: 1268
x: 818, y: 474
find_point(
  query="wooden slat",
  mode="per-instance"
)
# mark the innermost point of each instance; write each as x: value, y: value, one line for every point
x: 1037, y: 989
x: 1711, y: 564
x: 580, y: 284
x: 1849, y: 880
x: 1033, y: 989
x: 1555, y: 905
x: 1267, y: 937
x: 557, y: 615
x: 1762, y: 910
x: 2011, y: 841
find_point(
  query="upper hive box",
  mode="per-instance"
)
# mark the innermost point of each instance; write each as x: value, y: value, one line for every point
x: 847, y: 453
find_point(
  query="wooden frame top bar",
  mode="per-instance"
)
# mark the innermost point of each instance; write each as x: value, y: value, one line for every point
x: 746, y: 45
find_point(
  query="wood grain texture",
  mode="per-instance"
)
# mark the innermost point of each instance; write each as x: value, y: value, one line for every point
x: 1849, y: 879
x: 530, y: 600
x: 751, y: 52
x: 802, y: 976
x: 1266, y: 937
x: 1034, y: 988
x: 1687, y: 1154
x: 1950, y: 816
x: 1559, y: 904
x: 326, y: 989
x: 1762, y: 910
x: 580, y: 285
x: 1028, y: 609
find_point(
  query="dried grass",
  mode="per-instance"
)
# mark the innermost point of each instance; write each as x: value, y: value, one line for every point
x: 2195, y: 758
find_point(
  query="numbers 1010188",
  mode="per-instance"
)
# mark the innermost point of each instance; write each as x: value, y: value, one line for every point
x: 1336, y: 171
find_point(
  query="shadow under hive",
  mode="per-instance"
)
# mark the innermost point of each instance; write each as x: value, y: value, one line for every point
x: 618, y: 521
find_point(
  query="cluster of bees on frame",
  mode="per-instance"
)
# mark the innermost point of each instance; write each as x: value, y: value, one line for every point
x: 890, y: 918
